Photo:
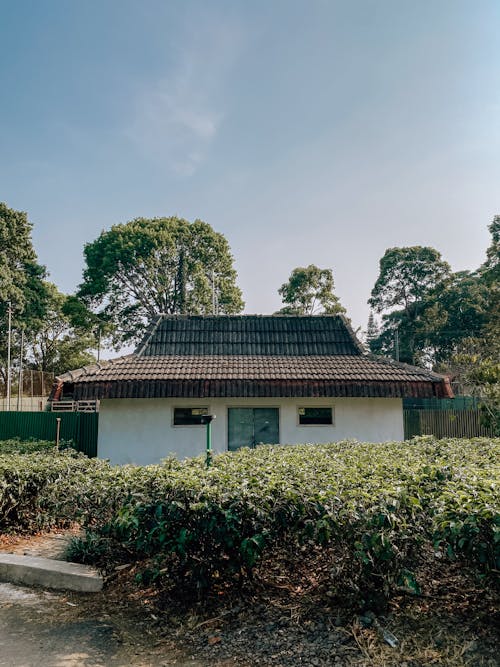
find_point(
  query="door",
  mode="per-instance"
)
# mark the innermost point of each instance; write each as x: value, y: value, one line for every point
x: 248, y: 427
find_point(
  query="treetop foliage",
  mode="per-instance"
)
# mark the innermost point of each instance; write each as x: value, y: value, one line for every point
x: 145, y: 267
x: 406, y: 276
x: 450, y: 321
x: 309, y: 291
x: 19, y: 271
x: 50, y: 342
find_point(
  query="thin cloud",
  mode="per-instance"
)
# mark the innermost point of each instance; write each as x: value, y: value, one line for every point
x: 177, y: 118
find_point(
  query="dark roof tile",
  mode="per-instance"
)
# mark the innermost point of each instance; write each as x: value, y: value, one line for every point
x: 249, y: 334
x: 253, y: 367
x: 187, y: 356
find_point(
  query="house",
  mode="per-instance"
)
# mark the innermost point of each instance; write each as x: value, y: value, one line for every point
x: 268, y: 379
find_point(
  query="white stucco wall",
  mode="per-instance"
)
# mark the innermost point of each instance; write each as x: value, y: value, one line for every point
x: 141, y: 431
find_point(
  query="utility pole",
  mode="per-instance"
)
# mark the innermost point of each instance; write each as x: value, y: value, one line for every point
x: 396, y: 344
x: 98, y: 344
x: 20, y: 377
x: 215, y: 305
x: 9, y: 311
x: 213, y: 292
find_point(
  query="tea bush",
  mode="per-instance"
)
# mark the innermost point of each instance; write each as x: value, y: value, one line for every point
x: 375, y: 507
x: 378, y: 503
x: 18, y: 446
x: 36, y: 489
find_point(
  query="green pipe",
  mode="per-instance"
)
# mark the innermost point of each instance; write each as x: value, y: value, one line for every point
x: 209, y: 444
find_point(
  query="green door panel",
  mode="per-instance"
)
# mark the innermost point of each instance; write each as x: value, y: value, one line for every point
x: 248, y: 427
x: 240, y: 428
x: 266, y: 426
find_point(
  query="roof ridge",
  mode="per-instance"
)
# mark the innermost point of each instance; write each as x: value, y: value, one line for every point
x: 152, y: 327
x: 401, y: 364
x: 186, y: 316
x: 355, y: 340
x: 96, y: 366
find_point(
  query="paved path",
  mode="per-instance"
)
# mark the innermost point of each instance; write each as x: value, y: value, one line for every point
x: 49, y: 629
x: 42, y: 628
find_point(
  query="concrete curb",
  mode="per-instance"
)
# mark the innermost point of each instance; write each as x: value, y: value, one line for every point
x: 49, y: 573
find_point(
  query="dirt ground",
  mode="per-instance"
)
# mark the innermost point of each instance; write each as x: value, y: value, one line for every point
x: 40, y: 628
x: 49, y: 629
x: 454, y: 623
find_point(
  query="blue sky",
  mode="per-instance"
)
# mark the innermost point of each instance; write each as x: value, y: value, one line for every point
x: 309, y: 131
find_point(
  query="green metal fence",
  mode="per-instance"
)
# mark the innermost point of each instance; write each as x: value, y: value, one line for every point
x: 80, y: 427
x: 444, y: 423
x: 457, y: 403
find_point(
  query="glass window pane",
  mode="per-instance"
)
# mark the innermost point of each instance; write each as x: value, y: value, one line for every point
x: 189, y: 416
x: 315, y: 416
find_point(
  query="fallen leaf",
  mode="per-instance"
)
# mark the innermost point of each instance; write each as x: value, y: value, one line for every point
x: 214, y: 640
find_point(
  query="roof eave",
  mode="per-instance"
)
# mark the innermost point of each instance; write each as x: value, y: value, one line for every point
x: 202, y: 388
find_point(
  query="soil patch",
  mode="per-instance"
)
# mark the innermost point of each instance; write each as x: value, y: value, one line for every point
x: 40, y: 629
x: 51, y: 544
x: 286, y: 621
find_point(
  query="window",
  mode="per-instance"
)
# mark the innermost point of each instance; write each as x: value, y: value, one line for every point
x: 189, y: 416
x: 315, y: 416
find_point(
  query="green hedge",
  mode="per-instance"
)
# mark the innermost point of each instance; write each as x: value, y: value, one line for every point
x: 377, y: 507
x: 18, y: 446
x: 36, y: 488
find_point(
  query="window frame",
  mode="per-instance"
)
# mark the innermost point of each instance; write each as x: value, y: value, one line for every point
x: 203, y: 408
x: 316, y: 407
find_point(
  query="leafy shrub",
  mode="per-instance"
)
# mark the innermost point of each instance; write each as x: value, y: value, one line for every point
x: 375, y: 507
x: 18, y: 446
x: 36, y: 490
x: 379, y: 503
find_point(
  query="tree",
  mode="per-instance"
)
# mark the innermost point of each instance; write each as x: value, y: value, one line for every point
x: 54, y: 344
x: 21, y: 277
x: 140, y: 269
x: 309, y: 291
x: 406, y: 279
x: 372, y: 332
x: 491, y: 268
x: 407, y: 275
x: 477, y: 362
x: 16, y: 253
x: 457, y: 309
x: 476, y: 368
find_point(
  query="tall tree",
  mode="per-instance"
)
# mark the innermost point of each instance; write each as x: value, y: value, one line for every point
x: 491, y: 268
x: 53, y: 344
x: 457, y: 309
x: 309, y: 291
x: 145, y: 267
x: 19, y: 271
x: 21, y: 277
x: 372, y: 332
x: 406, y: 279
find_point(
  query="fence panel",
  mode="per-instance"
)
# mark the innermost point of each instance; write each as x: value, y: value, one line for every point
x: 81, y: 428
x: 87, y: 437
x: 445, y: 424
x: 457, y: 403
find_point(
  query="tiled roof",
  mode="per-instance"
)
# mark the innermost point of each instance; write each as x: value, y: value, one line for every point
x: 248, y: 334
x: 250, y: 356
x: 252, y: 376
x: 186, y: 367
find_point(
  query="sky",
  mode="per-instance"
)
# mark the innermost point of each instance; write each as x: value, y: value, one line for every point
x: 306, y: 131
